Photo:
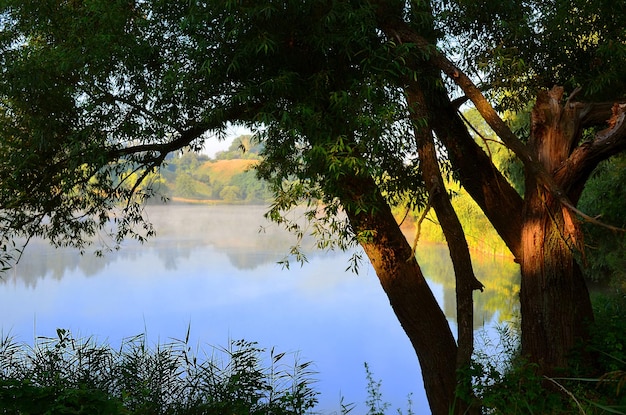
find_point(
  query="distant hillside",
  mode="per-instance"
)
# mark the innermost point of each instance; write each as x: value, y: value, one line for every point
x: 223, y: 171
x: 229, y: 178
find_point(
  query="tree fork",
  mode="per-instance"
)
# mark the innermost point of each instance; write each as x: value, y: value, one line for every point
x: 479, y: 176
x: 466, y: 281
x: 400, y: 30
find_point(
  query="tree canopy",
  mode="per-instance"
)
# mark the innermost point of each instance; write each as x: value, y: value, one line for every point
x: 357, y: 106
x: 97, y: 89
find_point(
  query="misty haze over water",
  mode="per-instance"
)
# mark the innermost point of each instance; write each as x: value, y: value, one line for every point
x: 214, y: 268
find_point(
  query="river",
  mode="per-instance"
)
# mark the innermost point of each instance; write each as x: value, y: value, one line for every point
x: 215, y: 269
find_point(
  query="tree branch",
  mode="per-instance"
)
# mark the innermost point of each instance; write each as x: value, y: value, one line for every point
x: 482, y: 180
x: 595, y: 114
x: 219, y: 117
x: 139, y: 108
x: 403, y: 33
x: 182, y: 140
x: 575, y: 171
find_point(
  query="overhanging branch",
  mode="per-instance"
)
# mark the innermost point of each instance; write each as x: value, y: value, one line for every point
x: 403, y: 33
x: 217, y: 120
x: 182, y: 140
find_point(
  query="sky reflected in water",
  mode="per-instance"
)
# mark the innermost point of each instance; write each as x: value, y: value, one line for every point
x: 209, y: 267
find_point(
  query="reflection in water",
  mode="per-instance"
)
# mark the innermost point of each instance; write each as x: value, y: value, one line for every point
x: 209, y: 266
x: 500, y: 276
x: 240, y: 232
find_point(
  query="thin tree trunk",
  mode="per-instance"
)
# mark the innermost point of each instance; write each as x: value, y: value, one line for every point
x: 465, y: 278
x: 498, y: 200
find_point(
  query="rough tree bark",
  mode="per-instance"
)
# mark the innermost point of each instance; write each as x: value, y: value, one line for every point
x: 542, y: 230
x: 554, y: 299
x: 555, y: 304
x: 412, y: 300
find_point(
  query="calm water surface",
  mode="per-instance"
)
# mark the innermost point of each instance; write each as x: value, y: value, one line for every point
x: 209, y: 267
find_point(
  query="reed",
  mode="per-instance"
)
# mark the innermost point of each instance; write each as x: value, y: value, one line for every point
x: 66, y: 375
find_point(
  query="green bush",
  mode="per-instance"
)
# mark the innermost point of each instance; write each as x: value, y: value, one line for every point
x: 504, y: 383
x: 23, y: 397
x: 609, y: 331
x: 602, y: 198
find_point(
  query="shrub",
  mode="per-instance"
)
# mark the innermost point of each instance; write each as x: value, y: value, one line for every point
x: 505, y: 383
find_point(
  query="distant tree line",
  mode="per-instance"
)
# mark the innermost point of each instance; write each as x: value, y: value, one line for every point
x: 229, y: 177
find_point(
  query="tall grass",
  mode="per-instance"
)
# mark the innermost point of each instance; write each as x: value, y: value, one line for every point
x: 65, y: 375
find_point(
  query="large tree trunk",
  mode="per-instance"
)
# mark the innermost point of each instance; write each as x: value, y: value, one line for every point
x: 541, y: 230
x: 412, y: 300
x: 555, y: 304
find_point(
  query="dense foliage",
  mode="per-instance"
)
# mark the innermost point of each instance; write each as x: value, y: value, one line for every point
x: 605, y: 256
x: 145, y: 79
x: 508, y: 384
x: 518, y: 47
x: 99, y: 90
x: 357, y: 106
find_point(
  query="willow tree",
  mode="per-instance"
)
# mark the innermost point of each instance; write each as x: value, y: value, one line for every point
x: 356, y: 103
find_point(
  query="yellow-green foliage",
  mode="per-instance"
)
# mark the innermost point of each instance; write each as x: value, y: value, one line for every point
x: 222, y: 171
x: 479, y: 233
x: 501, y: 282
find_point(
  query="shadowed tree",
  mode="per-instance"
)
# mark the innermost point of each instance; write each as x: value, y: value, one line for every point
x: 356, y: 103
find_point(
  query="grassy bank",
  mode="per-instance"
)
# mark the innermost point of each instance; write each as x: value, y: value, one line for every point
x: 67, y: 375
